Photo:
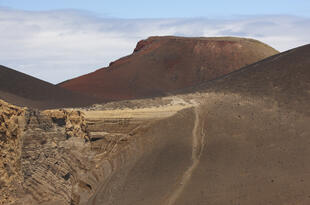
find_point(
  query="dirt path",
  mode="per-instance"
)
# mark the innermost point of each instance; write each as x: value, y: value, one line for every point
x: 198, y: 145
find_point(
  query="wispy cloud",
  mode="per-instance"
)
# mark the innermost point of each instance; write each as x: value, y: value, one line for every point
x: 58, y: 45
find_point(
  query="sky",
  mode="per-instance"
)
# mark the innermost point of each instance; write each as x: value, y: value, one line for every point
x: 168, y: 8
x: 56, y: 40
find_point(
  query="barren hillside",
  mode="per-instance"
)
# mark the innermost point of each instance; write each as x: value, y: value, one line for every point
x: 240, y: 139
x: 160, y: 65
x: 24, y: 90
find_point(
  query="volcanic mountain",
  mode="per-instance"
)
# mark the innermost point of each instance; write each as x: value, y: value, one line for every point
x: 240, y: 139
x: 160, y: 65
x: 24, y: 90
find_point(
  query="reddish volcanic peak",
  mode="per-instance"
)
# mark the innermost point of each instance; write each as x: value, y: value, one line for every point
x: 160, y: 65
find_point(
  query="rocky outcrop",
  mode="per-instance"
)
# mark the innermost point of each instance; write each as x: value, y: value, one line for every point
x: 37, y: 162
x: 11, y: 140
x: 54, y: 155
x: 63, y: 156
x: 73, y: 120
x: 141, y: 44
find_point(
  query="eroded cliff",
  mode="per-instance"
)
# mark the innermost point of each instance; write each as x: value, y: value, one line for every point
x: 64, y: 156
x: 11, y: 130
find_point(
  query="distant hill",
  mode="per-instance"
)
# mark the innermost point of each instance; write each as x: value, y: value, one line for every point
x: 24, y: 90
x: 160, y: 65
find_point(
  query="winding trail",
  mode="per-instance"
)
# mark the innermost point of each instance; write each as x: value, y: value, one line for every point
x: 197, y: 149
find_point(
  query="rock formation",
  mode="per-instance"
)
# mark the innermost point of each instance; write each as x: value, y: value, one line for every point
x: 63, y: 155
x: 11, y: 140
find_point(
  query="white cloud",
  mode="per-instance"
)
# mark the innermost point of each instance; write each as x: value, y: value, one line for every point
x: 58, y: 45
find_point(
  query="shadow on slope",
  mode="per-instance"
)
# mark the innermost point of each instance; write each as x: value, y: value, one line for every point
x: 24, y: 90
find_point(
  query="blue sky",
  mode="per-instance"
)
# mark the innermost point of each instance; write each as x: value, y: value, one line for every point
x: 56, y: 40
x: 168, y: 8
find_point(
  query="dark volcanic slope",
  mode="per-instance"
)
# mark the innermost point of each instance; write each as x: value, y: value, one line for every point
x: 250, y: 139
x: 24, y: 90
x: 284, y: 78
x: 257, y: 142
x: 163, y: 64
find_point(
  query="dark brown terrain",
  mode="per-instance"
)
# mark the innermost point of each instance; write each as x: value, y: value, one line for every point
x: 249, y: 143
x: 24, y: 90
x: 257, y: 135
x: 240, y: 139
x: 160, y: 65
x: 284, y: 78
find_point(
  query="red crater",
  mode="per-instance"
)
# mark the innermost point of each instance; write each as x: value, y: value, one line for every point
x: 160, y: 65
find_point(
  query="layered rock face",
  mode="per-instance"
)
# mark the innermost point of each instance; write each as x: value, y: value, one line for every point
x: 36, y: 165
x: 12, y: 123
x: 52, y: 155
x: 160, y: 65
x: 64, y: 156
